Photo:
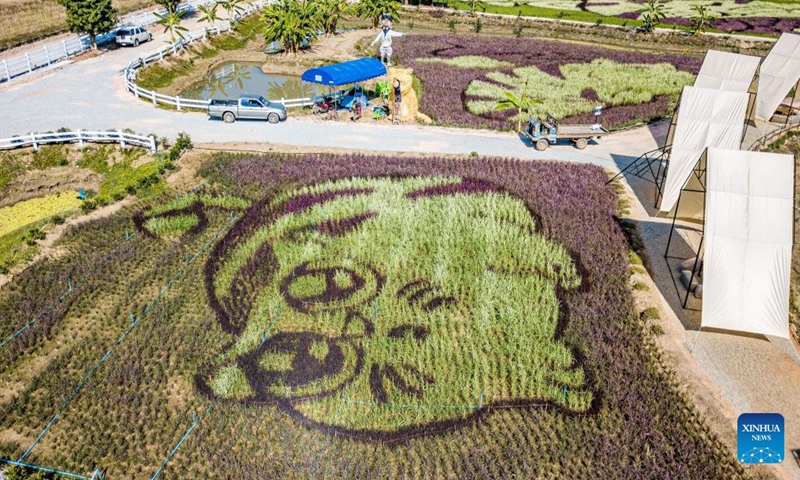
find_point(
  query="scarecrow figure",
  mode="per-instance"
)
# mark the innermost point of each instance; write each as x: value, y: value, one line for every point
x: 385, y: 37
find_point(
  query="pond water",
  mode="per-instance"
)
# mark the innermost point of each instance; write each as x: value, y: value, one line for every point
x: 230, y: 80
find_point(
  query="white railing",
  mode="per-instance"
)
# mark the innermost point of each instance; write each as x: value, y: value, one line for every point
x: 80, y: 137
x: 55, y: 52
x: 191, y: 103
x: 42, y: 57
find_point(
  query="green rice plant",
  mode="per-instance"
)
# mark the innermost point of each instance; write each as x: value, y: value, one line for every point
x: 613, y: 83
x: 642, y: 287
x: 31, y: 211
x: 171, y: 226
x: 465, y: 252
x: 222, y: 201
x: 467, y: 61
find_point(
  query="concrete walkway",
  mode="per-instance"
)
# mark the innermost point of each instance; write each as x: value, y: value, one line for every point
x: 90, y: 94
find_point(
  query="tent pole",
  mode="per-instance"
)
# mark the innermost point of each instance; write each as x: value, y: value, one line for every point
x: 694, y: 267
x: 747, y: 117
x: 672, y: 229
x: 791, y: 106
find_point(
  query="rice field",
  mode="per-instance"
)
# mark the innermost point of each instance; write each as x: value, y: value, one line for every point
x: 464, y: 76
x: 348, y: 317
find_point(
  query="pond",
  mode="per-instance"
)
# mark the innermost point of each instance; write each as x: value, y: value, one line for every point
x: 230, y: 80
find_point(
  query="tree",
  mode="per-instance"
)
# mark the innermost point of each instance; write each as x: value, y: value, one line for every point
x: 90, y: 16
x: 291, y: 23
x: 523, y: 102
x: 232, y: 7
x: 373, y: 9
x: 702, y: 20
x: 653, y: 14
x: 171, y: 22
x: 170, y: 5
x: 331, y: 11
x: 472, y: 4
x: 209, y: 14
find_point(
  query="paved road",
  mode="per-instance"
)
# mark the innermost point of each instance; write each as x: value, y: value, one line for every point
x: 90, y: 94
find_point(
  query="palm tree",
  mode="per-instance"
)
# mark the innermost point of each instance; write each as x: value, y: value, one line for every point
x: 291, y: 23
x: 171, y: 22
x: 523, y: 102
x: 232, y: 7
x: 373, y: 9
x: 331, y: 11
x: 702, y: 20
x: 653, y: 14
x: 209, y: 14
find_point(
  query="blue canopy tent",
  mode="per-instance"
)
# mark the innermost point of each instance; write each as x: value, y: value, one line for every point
x: 346, y: 73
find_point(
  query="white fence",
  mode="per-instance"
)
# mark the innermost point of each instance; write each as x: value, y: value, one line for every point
x: 190, y: 103
x: 80, y: 137
x: 54, y: 52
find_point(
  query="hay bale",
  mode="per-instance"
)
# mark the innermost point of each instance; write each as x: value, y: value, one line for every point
x: 410, y: 106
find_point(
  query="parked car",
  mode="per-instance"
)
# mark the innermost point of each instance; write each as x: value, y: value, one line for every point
x: 133, y: 36
x: 247, y: 107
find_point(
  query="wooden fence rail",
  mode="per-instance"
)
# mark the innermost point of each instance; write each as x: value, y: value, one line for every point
x: 80, y: 137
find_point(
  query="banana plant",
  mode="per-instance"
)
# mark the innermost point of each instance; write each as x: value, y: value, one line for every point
x: 171, y: 21
x: 523, y: 102
x: 209, y: 14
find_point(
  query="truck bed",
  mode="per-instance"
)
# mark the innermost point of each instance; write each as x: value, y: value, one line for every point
x: 580, y: 131
x: 217, y: 102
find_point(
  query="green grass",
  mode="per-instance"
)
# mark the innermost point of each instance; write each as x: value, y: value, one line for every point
x: 614, y: 83
x: 162, y: 74
x: 10, y: 166
x: 248, y: 29
x: 467, y: 61
x: 650, y: 313
x: 14, y: 248
x: 223, y: 201
x: 123, y: 178
x: 544, y: 12
x: 466, y: 248
x: 171, y: 226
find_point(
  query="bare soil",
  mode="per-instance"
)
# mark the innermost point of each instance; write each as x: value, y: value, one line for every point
x: 32, y: 183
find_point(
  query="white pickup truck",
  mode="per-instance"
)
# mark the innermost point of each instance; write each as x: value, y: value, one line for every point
x: 248, y: 107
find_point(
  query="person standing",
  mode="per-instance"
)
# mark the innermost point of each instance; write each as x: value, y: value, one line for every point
x: 398, y: 100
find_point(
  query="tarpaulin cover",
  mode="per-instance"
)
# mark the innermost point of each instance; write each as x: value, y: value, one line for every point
x: 779, y: 73
x: 748, y: 241
x: 706, y: 118
x: 727, y: 71
x: 345, y: 73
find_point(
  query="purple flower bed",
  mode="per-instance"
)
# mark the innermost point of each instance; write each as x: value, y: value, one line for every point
x: 765, y: 25
x: 443, y: 85
x: 629, y: 15
x: 639, y: 420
